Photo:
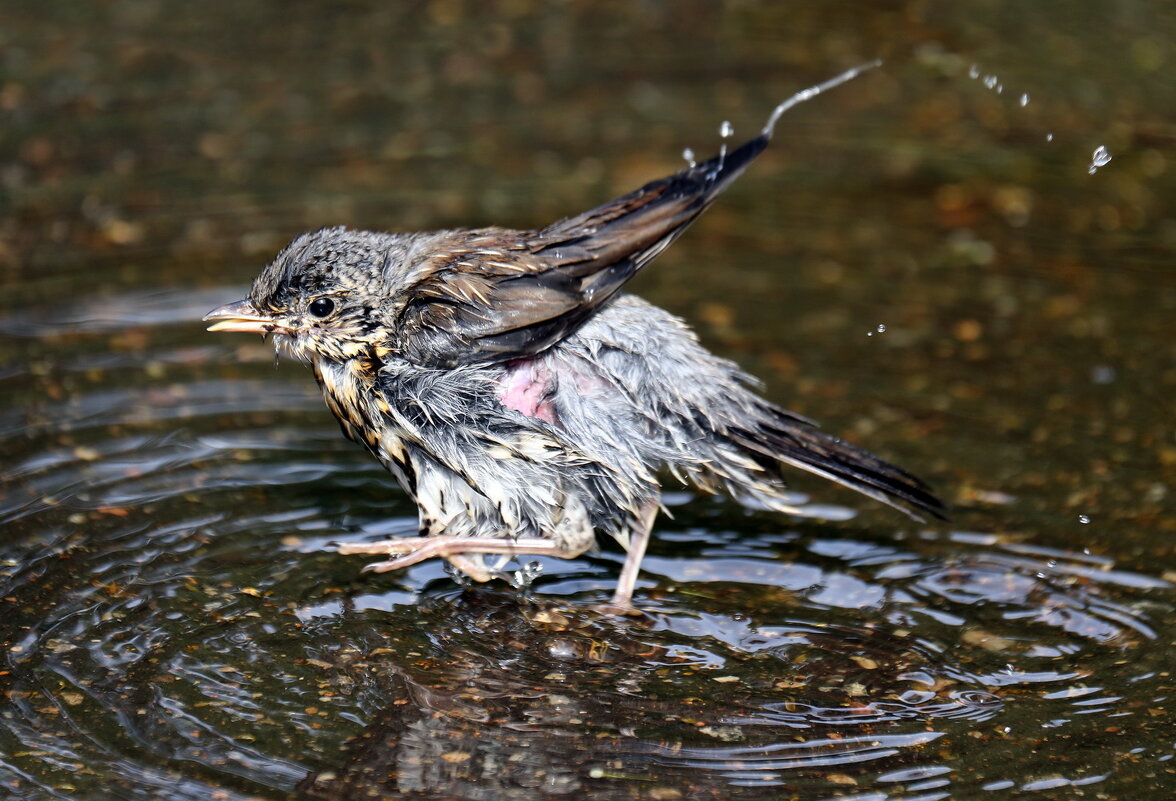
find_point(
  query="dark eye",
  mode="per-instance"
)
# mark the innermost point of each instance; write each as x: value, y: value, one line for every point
x: 322, y: 307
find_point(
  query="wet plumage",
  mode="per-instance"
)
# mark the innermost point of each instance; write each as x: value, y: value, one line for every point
x: 524, y: 400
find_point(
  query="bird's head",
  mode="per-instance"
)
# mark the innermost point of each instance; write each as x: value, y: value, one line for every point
x: 327, y: 296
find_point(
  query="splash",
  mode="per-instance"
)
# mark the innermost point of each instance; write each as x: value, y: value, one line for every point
x: 1100, y: 158
x: 813, y: 91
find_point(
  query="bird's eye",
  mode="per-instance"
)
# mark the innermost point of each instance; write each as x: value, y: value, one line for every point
x: 322, y: 307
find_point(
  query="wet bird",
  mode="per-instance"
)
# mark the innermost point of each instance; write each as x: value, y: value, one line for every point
x: 526, y: 402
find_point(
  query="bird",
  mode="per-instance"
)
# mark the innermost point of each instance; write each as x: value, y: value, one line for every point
x: 522, y: 398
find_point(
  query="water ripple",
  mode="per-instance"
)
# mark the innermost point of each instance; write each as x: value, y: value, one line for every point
x: 183, y: 622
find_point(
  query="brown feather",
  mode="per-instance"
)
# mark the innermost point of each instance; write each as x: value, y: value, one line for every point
x: 494, y: 294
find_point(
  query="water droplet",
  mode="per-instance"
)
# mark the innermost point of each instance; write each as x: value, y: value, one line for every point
x: 688, y: 154
x: 526, y: 575
x: 1025, y: 99
x: 726, y: 130
x: 881, y: 328
x: 1049, y: 137
x: 1100, y: 158
x: 999, y: 88
x: 974, y: 71
x: 990, y: 81
x: 1083, y: 519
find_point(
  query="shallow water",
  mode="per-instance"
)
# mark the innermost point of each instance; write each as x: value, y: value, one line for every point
x: 922, y: 262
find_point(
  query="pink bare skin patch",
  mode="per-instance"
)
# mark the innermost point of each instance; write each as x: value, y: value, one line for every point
x: 527, y: 388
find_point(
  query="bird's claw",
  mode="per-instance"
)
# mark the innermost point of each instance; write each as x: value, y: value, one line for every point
x: 386, y: 566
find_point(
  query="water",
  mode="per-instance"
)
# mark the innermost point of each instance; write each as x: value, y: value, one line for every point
x: 176, y: 625
x: 1100, y: 158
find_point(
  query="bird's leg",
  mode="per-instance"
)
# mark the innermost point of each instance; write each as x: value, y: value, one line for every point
x: 418, y: 549
x: 473, y: 568
x: 638, y: 541
x: 392, y: 546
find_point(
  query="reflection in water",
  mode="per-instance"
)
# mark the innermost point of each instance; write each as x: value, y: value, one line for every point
x: 780, y: 659
x: 553, y: 700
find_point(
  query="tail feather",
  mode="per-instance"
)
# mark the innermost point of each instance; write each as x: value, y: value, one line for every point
x: 784, y: 439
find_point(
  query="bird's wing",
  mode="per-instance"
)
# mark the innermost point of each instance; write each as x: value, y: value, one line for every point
x: 492, y: 295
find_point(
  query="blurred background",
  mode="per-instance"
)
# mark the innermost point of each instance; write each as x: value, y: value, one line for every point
x: 932, y: 261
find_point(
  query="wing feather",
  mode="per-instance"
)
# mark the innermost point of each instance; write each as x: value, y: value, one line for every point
x: 494, y: 294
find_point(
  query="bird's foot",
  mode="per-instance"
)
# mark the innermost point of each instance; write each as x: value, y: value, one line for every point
x: 411, y: 550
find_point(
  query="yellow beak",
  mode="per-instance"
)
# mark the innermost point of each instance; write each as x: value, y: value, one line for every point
x: 242, y: 316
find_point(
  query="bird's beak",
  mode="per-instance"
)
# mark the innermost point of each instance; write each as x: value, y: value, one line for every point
x: 242, y: 316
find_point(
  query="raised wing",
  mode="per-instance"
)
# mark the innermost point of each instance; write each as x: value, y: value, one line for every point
x: 493, y: 294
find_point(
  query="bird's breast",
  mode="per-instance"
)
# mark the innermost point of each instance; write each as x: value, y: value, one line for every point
x: 365, y: 416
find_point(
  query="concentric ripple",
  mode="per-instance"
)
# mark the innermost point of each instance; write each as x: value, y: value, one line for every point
x: 178, y: 626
